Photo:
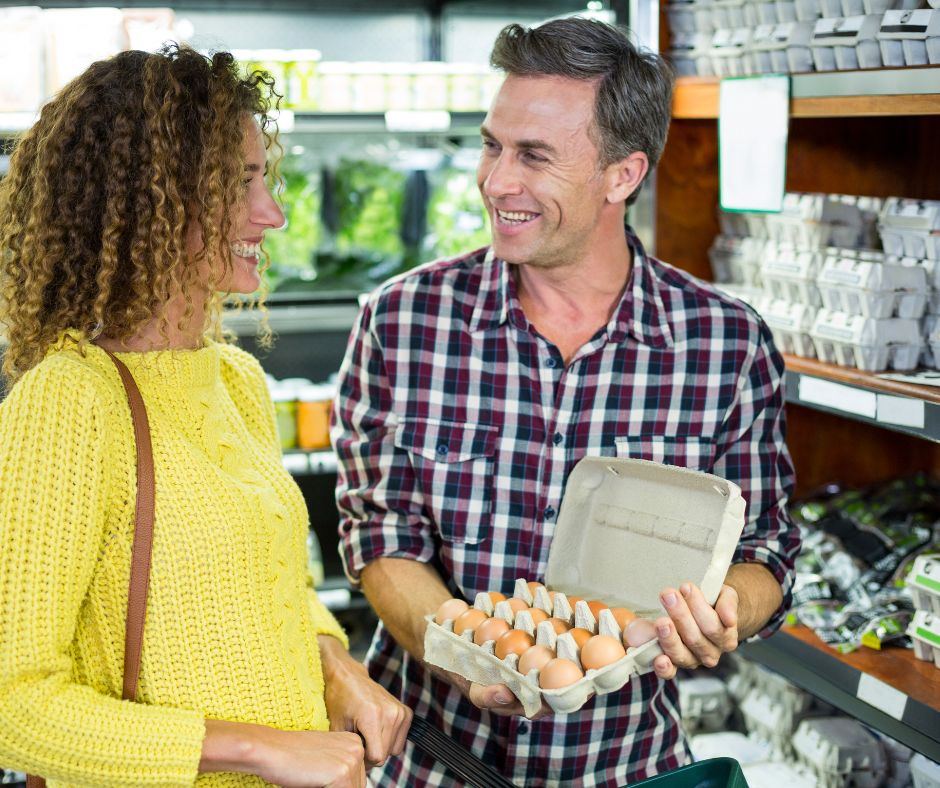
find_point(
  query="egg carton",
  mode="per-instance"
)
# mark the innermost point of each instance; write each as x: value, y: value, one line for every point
x: 781, y: 48
x: 705, y: 704
x: 911, y: 228
x: 866, y: 343
x: 847, y: 43
x: 655, y: 525
x: 729, y: 744
x: 910, y: 38
x: 791, y: 324
x: 728, y: 49
x: 773, y: 774
x: 790, y: 274
x: 924, y: 583
x: 924, y: 772
x: 755, y: 297
x: 736, y: 259
x: 871, y: 287
x: 840, y: 751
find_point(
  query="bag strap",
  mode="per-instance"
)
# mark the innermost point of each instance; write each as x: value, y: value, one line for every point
x: 143, y: 541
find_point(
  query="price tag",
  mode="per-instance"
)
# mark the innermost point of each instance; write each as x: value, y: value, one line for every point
x: 876, y: 693
x: 814, y: 391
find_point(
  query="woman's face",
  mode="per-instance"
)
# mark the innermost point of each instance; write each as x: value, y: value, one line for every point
x: 256, y: 214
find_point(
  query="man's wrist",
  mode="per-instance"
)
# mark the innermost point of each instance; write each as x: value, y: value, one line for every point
x: 335, y: 660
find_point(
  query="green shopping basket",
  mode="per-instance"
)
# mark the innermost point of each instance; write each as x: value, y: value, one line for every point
x: 710, y: 773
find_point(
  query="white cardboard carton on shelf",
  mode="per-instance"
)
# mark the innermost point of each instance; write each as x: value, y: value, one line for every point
x: 771, y: 719
x: 773, y: 774
x: 753, y: 296
x: 790, y: 274
x: 840, y: 751
x: 924, y: 632
x: 702, y: 11
x: 758, y: 58
x: 728, y: 49
x: 705, y: 703
x: 911, y: 228
x: 808, y: 10
x: 686, y: 49
x: 924, y: 583
x: 765, y: 11
x: 924, y: 772
x: 786, y: 11
x: 681, y: 16
x: 727, y: 14
x: 931, y: 269
x: 729, y: 744
x: 880, y: 6
x: 791, y: 325
x: 866, y: 285
x: 627, y: 528
x: 847, y: 43
x: 910, y: 38
x: 782, y: 48
x: 865, y: 342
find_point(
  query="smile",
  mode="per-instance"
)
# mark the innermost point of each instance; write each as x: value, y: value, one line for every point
x: 242, y: 249
x: 515, y: 217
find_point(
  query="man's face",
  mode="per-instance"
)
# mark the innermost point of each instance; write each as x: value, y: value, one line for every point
x: 539, y: 172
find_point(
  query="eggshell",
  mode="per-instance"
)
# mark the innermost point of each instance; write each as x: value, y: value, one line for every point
x: 559, y: 673
x: 573, y: 600
x: 623, y: 616
x: 515, y: 641
x: 450, y: 609
x: 580, y: 635
x: 469, y: 621
x: 596, y: 607
x: 600, y: 651
x: 496, y: 596
x: 490, y: 629
x: 534, y: 658
x: 534, y: 586
x: 559, y: 625
x: 538, y: 615
x: 517, y: 604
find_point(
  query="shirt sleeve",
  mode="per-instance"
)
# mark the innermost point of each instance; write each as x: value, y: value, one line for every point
x: 52, y: 516
x: 753, y: 454
x: 381, y: 506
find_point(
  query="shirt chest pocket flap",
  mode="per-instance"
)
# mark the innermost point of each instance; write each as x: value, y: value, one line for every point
x: 453, y: 464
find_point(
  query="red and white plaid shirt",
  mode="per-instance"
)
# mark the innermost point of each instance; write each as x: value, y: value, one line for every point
x: 456, y: 427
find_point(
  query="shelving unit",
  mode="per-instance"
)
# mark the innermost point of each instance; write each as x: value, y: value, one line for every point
x: 891, y: 691
x: 868, y: 133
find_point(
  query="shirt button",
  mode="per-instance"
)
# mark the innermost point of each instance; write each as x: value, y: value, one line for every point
x: 550, y: 363
x: 523, y: 729
x: 557, y: 438
x: 549, y: 512
x: 442, y: 448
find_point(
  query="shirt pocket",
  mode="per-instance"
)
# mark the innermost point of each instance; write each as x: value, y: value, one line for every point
x: 695, y: 452
x: 453, y: 465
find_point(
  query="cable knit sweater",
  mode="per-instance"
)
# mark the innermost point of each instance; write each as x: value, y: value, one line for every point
x: 232, y: 621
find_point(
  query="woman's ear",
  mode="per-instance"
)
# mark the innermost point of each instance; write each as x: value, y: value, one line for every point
x: 625, y: 176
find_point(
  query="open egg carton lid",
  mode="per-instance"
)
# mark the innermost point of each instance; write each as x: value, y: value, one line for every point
x: 627, y: 529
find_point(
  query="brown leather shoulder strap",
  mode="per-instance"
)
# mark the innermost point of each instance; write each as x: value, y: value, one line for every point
x: 143, y: 533
x: 143, y: 542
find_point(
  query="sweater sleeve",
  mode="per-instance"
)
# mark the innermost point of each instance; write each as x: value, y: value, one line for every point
x: 53, y: 465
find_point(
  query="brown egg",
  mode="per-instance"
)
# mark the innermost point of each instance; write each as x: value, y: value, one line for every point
x: 516, y: 604
x: 515, y: 641
x: 533, y: 586
x: 596, y: 607
x: 623, y: 616
x: 580, y: 635
x: 538, y: 615
x: 450, y: 609
x: 496, y: 596
x: 561, y: 626
x: 559, y: 673
x: 600, y: 651
x: 573, y: 600
x: 534, y: 658
x: 469, y: 620
x: 490, y: 629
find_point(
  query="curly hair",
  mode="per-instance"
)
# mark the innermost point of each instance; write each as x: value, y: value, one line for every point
x: 101, y: 191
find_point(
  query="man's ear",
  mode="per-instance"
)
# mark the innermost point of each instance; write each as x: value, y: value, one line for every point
x: 625, y: 176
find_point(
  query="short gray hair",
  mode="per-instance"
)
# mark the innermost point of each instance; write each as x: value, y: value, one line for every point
x: 633, y: 103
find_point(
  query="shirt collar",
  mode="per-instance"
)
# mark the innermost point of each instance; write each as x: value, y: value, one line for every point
x: 639, y: 314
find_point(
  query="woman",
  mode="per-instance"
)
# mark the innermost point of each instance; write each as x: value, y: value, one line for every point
x: 131, y: 207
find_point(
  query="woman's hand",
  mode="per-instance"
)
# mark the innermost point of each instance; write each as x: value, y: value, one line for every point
x: 356, y: 703
x: 291, y: 759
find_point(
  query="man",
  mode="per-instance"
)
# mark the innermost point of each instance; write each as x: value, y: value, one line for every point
x: 473, y: 386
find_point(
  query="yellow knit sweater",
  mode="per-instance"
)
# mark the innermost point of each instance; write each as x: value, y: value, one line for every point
x: 232, y: 621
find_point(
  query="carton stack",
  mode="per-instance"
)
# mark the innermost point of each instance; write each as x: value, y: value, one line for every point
x: 734, y: 37
x: 924, y: 629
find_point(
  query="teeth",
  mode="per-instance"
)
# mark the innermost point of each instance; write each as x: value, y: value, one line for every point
x: 243, y: 249
x: 515, y: 216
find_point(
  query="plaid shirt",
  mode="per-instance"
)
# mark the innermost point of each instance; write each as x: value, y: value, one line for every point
x: 456, y: 427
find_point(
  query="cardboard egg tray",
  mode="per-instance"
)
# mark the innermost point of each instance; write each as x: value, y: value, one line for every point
x: 626, y: 529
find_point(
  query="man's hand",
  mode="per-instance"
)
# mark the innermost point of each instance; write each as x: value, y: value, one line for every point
x: 693, y: 633
x: 354, y: 702
x: 494, y: 698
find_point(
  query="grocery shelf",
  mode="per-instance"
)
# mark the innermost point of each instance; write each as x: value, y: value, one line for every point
x: 461, y: 123
x: 863, y: 396
x: 890, y: 690
x: 863, y: 93
x: 299, y: 462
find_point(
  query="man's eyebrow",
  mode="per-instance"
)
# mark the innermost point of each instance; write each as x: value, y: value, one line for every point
x: 540, y: 145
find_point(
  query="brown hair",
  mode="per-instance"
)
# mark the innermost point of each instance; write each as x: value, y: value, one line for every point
x: 633, y: 103
x: 101, y: 189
